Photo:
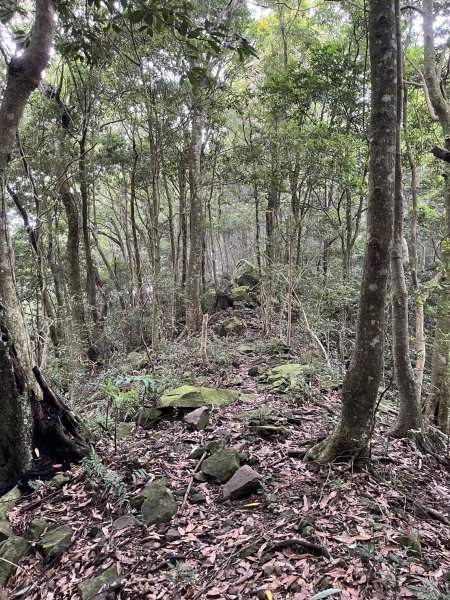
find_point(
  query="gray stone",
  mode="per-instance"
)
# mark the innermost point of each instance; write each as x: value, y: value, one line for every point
x: 55, y: 542
x: 241, y: 294
x: 245, y: 481
x: 11, y: 551
x: 209, y: 301
x: 147, y: 417
x: 36, y: 528
x: 5, y: 530
x: 221, y: 465
x: 254, y: 371
x: 124, y: 522
x: 198, y: 419
x: 232, y: 326
x: 200, y: 476
x: 91, y: 588
x: 160, y: 505
x: 173, y: 535
x: 138, y: 500
x: 198, y: 498
x: 8, y: 501
x: 188, y: 396
x: 209, y: 448
x: 138, y: 360
x: 246, y: 274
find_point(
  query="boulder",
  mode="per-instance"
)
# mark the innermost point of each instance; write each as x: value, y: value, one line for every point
x: 124, y: 522
x: 138, y: 500
x: 59, y: 480
x: 8, y: 501
x: 286, y: 375
x: 188, y: 396
x: 221, y: 465
x: 90, y: 588
x: 137, y: 360
x: 232, y: 326
x: 209, y: 301
x: 55, y: 542
x: 5, y: 530
x: 11, y: 551
x: 246, y: 274
x: 146, y: 417
x: 36, y: 528
x: 245, y: 481
x: 241, y: 294
x: 198, y: 419
x: 209, y: 448
x: 160, y: 505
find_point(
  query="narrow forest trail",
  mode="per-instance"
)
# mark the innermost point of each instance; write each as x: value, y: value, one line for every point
x: 251, y: 547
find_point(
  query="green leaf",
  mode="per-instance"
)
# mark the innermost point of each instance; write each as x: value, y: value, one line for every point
x: 326, y: 593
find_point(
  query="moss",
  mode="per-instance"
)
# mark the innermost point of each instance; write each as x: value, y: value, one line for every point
x: 188, y: 396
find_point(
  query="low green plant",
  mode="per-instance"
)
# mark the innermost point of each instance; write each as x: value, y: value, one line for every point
x: 109, y: 483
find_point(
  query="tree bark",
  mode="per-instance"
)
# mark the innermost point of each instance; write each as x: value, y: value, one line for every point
x: 351, y: 438
x: 409, y: 418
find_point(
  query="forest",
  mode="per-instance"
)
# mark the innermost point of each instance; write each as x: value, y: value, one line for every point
x: 224, y: 299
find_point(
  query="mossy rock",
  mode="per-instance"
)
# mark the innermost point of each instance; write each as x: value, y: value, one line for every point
x: 8, y: 501
x: 138, y: 500
x: 147, y: 417
x: 246, y: 274
x: 11, y: 551
x: 55, y: 542
x: 188, y: 396
x: 59, y: 480
x: 138, y: 360
x: 36, y: 528
x: 241, y: 294
x: 209, y: 301
x: 160, y: 506
x: 232, y: 326
x: 124, y: 430
x: 89, y: 588
x: 287, y: 375
x: 246, y: 349
x: 222, y: 465
x: 5, y: 530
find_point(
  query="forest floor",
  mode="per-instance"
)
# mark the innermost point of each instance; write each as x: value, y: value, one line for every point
x: 252, y: 547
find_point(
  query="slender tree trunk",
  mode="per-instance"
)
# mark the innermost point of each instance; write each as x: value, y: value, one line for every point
x: 409, y: 418
x: 194, y: 273
x: 351, y: 438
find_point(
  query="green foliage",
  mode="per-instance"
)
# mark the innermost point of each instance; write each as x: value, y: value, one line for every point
x: 109, y: 483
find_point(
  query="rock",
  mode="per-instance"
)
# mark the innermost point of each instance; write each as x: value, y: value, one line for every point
x: 221, y: 465
x: 147, y: 417
x: 411, y: 543
x: 5, y: 530
x: 124, y: 522
x: 90, y: 588
x: 210, y: 448
x: 200, y: 476
x: 123, y: 430
x: 160, y: 505
x: 245, y: 481
x: 246, y: 274
x: 232, y: 326
x: 269, y: 430
x: 138, y: 360
x: 198, y: 419
x: 188, y: 396
x: 36, y: 528
x: 209, y: 301
x: 286, y: 375
x: 11, y: 551
x: 8, y: 501
x: 241, y: 294
x: 254, y: 371
x: 138, y: 500
x: 59, y: 480
x: 55, y: 542
x: 173, y: 535
x: 198, y: 498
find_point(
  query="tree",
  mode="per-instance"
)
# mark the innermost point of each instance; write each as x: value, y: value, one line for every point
x: 350, y: 440
x: 33, y: 414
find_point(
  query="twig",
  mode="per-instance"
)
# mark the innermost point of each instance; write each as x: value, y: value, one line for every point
x: 191, y: 481
x: 318, y: 548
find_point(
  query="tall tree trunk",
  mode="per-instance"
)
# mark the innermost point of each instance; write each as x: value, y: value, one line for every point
x: 23, y: 399
x: 437, y: 405
x: 194, y: 272
x: 351, y: 438
x: 409, y: 418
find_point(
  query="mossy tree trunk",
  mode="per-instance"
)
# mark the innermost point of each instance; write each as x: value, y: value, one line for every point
x: 351, y: 438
